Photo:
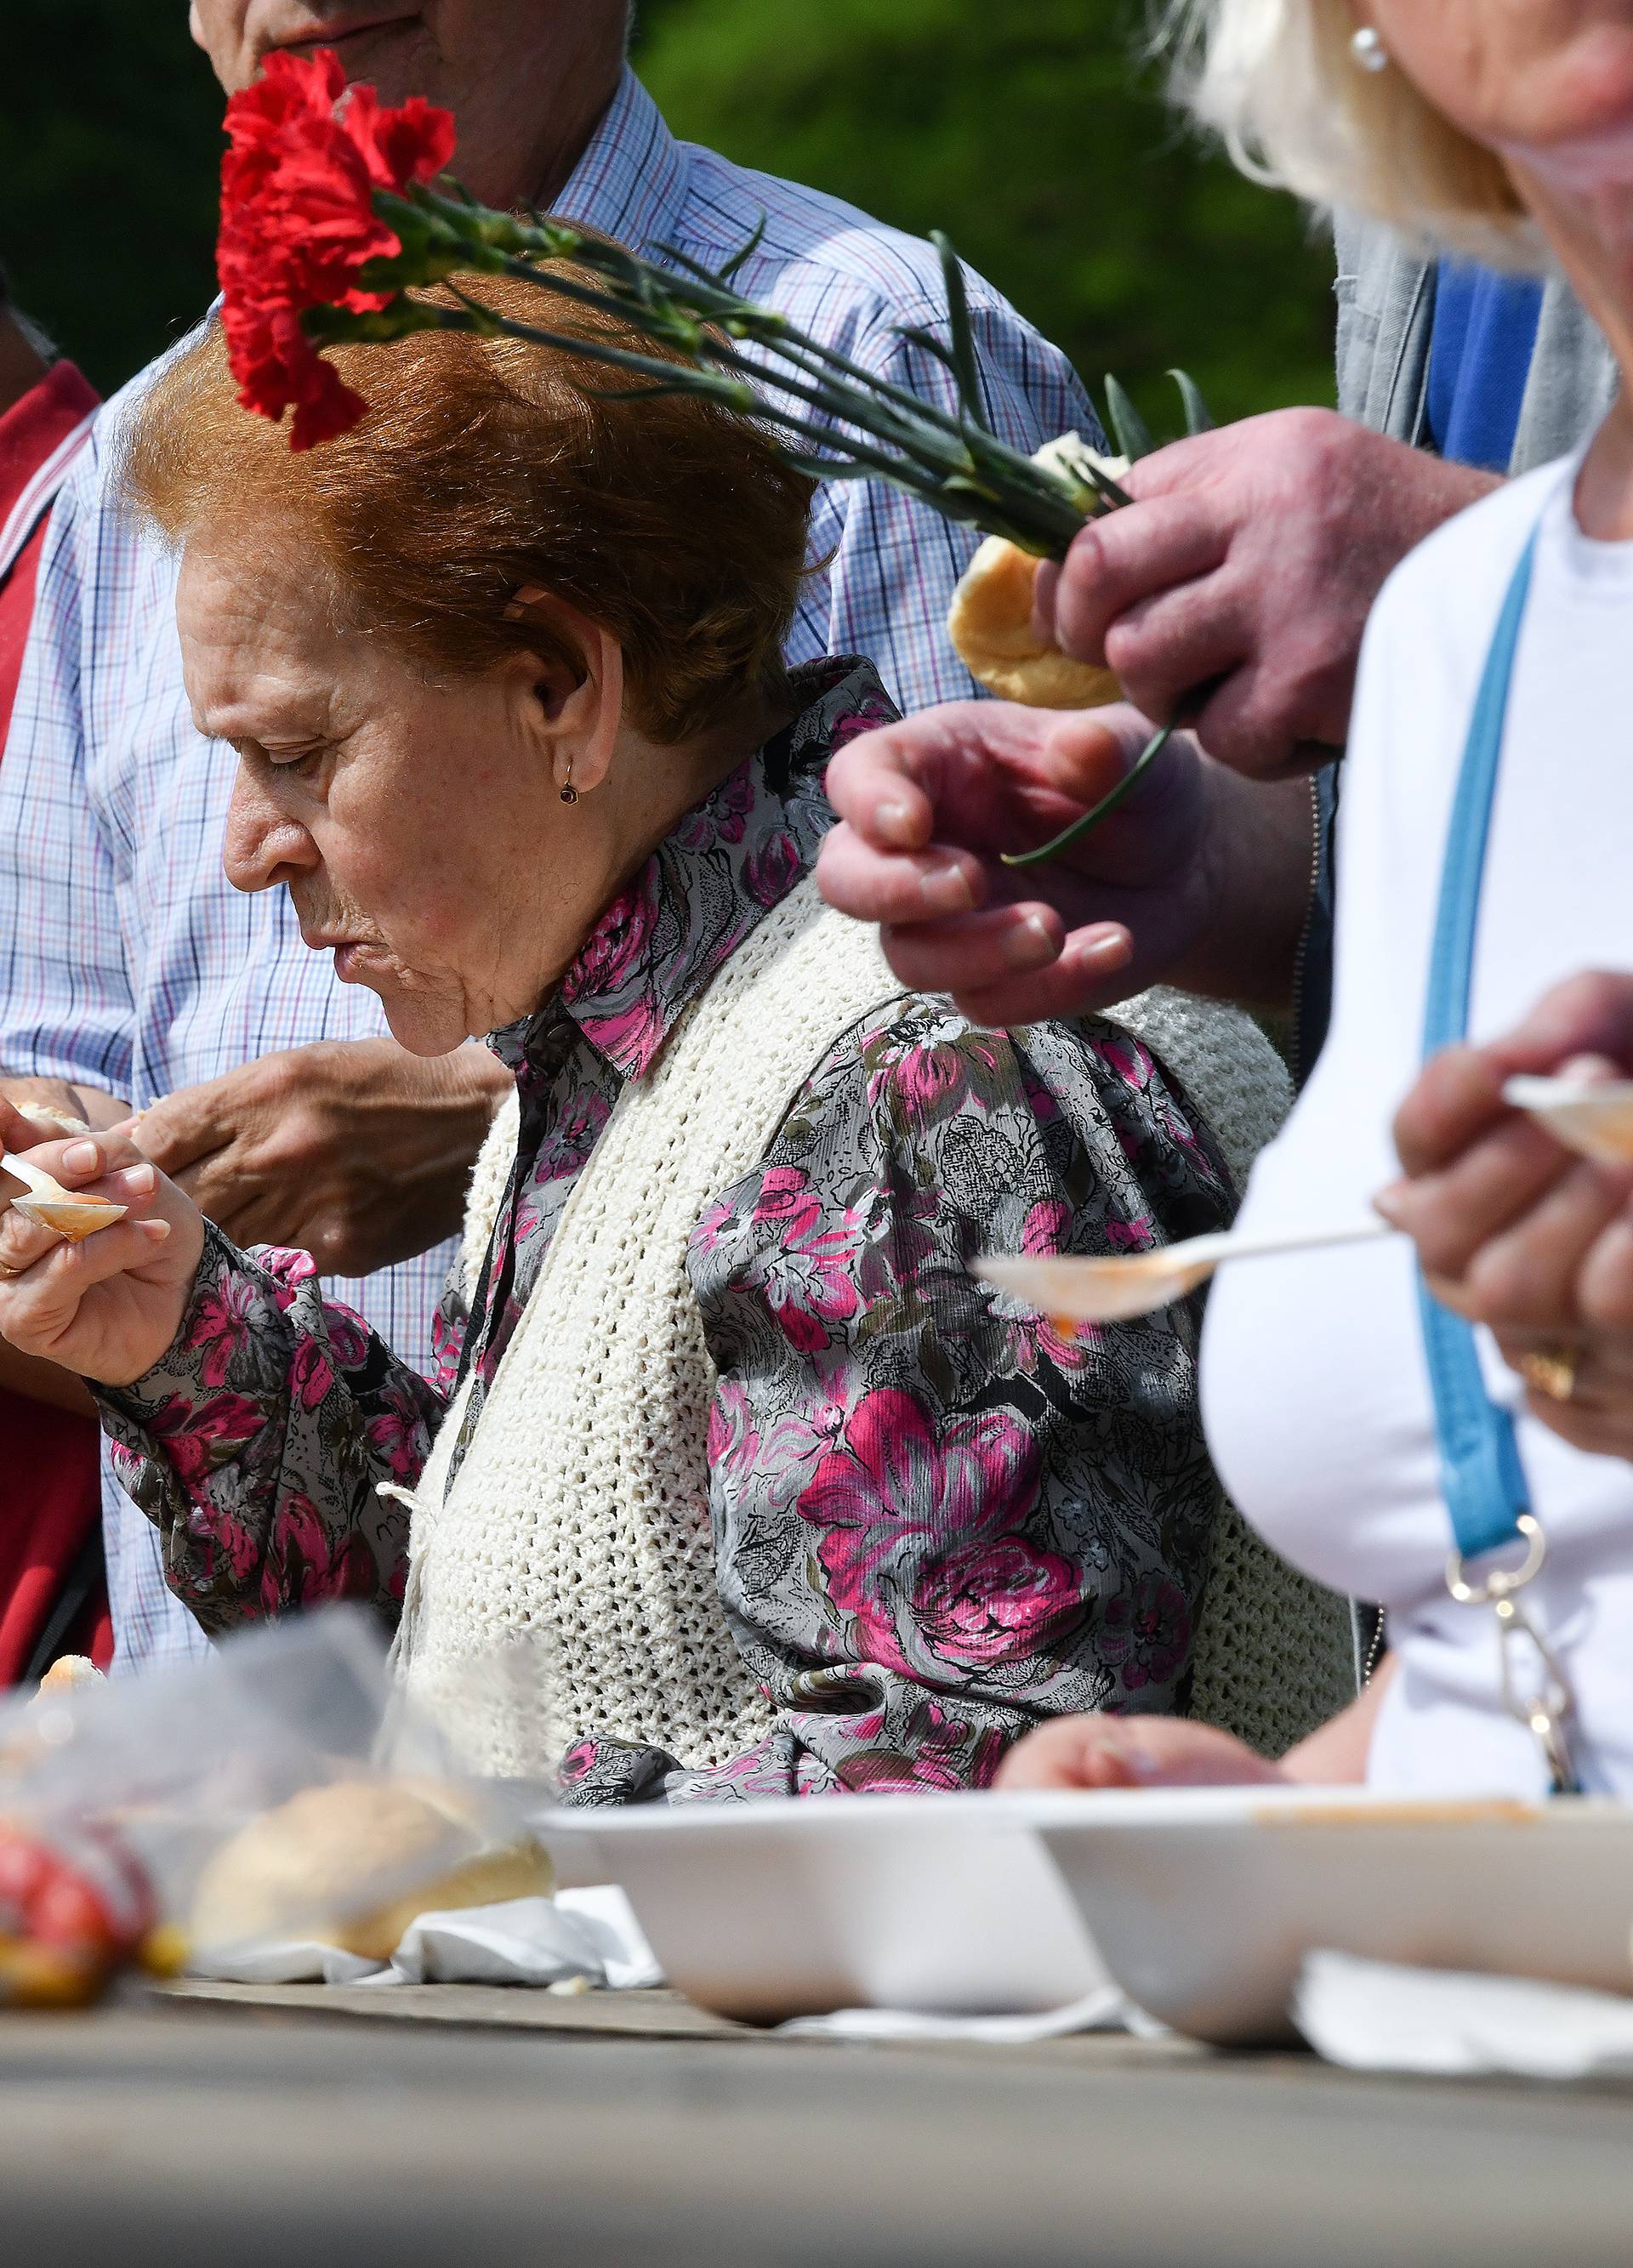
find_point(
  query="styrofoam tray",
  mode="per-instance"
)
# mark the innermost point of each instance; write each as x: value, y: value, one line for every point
x: 1204, y: 1901
x: 946, y: 1904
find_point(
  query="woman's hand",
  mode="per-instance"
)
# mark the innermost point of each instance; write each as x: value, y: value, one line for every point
x: 110, y: 1306
x: 1132, y: 1752
x: 1515, y: 1230
x: 1199, y: 880
x: 1178, y: 1752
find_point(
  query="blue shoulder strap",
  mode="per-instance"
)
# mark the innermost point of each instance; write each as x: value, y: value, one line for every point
x: 1482, y: 1475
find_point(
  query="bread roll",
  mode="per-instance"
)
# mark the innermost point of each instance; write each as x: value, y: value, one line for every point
x: 990, y: 621
x: 307, y: 1869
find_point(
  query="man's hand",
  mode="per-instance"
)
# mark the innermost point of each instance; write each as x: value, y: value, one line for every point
x: 1248, y: 564
x: 353, y: 1150
x: 1515, y: 1230
x: 1199, y: 880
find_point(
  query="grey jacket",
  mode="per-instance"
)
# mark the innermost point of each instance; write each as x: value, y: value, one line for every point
x: 1385, y: 313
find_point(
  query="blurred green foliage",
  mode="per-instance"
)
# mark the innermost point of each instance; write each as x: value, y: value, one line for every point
x: 1029, y: 130
x: 110, y: 131
x: 1034, y: 133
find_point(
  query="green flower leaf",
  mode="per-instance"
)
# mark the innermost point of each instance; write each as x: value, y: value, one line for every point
x: 1198, y: 417
x: 1132, y: 434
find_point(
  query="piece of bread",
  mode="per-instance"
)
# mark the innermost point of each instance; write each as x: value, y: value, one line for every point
x: 353, y: 1864
x: 69, y: 1673
x: 990, y: 621
x: 50, y: 1120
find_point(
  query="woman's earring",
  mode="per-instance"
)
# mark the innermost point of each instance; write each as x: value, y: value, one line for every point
x: 1369, y: 50
x: 569, y: 793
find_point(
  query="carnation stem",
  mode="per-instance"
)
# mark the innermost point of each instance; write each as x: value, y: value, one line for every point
x: 1104, y: 809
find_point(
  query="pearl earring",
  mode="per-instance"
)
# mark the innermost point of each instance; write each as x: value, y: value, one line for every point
x: 1369, y: 50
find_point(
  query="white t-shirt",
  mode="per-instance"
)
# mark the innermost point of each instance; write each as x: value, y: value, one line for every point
x: 1315, y: 1391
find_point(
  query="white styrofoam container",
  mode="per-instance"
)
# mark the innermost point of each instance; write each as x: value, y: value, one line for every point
x: 941, y: 1903
x: 1204, y: 1901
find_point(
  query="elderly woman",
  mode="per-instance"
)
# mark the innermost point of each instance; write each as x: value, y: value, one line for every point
x: 1483, y: 859
x: 720, y: 1408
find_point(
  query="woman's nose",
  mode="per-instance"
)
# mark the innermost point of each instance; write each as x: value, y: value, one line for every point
x: 264, y: 845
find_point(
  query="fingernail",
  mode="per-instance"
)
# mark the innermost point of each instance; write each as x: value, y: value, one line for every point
x: 1140, y: 1762
x: 1102, y: 953
x: 142, y: 1180
x: 1391, y: 1204
x: 1028, y: 944
x: 155, y: 1231
x: 946, y: 889
x: 893, y: 820
x: 82, y: 1158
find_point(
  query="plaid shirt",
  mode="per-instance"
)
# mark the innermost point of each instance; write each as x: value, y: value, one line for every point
x: 127, y: 961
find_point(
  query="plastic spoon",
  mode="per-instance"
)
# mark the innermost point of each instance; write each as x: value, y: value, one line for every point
x: 1115, y: 1290
x: 1593, y: 1117
x: 49, y: 1206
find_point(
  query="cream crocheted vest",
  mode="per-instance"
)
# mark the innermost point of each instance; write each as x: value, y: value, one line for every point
x: 580, y: 1512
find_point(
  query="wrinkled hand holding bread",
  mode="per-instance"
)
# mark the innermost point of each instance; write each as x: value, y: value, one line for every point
x: 990, y: 621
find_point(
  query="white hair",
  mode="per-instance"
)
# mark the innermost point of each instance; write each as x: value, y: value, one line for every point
x: 1277, y: 81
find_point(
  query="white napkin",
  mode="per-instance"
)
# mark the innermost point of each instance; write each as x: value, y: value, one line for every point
x: 1102, y: 2010
x: 590, y: 1934
x: 1372, y: 2015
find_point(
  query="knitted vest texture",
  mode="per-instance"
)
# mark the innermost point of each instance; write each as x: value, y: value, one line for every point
x: 579, y: 1516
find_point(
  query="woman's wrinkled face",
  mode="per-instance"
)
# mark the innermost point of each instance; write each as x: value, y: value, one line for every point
x: 1548, y: 83
x: 415, y: 824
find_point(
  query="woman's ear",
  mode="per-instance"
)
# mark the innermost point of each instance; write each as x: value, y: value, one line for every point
x: 573, y: 709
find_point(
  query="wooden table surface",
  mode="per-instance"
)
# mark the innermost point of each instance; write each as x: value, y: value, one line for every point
x: 300, y: 2127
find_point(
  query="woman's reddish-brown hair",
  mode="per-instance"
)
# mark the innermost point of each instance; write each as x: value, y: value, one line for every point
x: 486, y: 464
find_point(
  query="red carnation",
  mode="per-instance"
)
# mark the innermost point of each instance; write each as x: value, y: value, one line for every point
x: 298, y: 223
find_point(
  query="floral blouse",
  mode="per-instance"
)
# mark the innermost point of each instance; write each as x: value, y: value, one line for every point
x: 936, y: 1519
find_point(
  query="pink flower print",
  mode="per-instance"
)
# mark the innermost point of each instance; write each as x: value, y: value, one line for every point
x: 930, y: 1077
x: 221, y: 1326
x: 731, y: 803
x: 289, y: 1269
x: 628, y: 1037
x: 311, y: 1374
x: 574, y: 1135
x: 446, y: 1340
x: 899, y: 1487
x: 1137, y: 1235
x: 770, y: 872
x: 1046, y: 1225
x: 199, y: 1437
x: 807, y: 1274
x: 1040, y: 1100
x: 717, y: 1225
x: 885, y: 1772
x: 1127, y: 1059
x: 1147, y: 1632
x: 617, y: 947
x: 348, y: 1335
x: 734, y: 1443
x: 1005, y: 1601
x: 853, y: 723
x: 576, y: 1762
x: 396, y: 1434
x: 235, y: 1541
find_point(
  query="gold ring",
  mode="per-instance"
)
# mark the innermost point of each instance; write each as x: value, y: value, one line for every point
x: 9, y: 1272
x: 1552, y: 1370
